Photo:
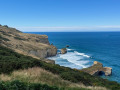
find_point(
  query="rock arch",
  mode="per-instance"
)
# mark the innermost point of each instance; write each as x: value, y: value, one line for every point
x: 97, y: 69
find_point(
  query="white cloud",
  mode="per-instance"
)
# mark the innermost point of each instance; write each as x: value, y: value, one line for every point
x: 69, y: 29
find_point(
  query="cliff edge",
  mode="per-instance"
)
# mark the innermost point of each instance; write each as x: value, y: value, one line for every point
x: 33, y: 45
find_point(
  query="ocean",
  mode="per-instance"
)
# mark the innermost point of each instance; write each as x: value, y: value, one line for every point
x: 87, y: 47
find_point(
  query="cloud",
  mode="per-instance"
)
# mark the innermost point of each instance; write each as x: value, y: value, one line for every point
x: 69, y: 29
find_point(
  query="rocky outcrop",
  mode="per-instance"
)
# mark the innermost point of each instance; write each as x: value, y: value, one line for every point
x: 48, y: 61
x: 108, y: 71
x: 67, y: 46
x: 33, y: 45
x: 63, y: 50
x: 98, y: 69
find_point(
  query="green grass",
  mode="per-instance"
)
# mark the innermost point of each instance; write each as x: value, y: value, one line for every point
x: 10, y: 61
x: 39, y: 75
x: 18, y: 85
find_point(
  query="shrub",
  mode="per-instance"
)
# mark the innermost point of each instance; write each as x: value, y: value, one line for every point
x: 6, y: 26
x: 17, y: 85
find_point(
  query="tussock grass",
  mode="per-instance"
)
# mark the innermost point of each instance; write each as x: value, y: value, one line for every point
x: 39, y: 75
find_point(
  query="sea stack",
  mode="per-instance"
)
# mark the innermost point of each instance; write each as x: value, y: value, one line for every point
x: 108, y: 71
x: 67, y: 46
x: 63, y: 50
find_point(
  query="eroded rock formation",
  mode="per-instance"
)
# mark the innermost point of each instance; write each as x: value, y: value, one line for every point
x: 98, y: 69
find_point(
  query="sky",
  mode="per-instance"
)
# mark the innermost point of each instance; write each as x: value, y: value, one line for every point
x: 61, y: 15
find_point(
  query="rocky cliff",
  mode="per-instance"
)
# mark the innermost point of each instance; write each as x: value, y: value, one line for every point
x: 33, y: 45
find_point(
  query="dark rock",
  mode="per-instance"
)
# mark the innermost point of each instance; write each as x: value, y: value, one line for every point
x: 67, y: 46
x: 49, y: 61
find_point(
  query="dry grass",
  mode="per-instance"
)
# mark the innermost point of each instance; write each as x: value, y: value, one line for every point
x: 27, y: 44
x: 39, y: 75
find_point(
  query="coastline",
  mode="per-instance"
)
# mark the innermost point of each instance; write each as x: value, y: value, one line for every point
x: 101, y: 47
x: 36, y: 48
x: 95, y: 69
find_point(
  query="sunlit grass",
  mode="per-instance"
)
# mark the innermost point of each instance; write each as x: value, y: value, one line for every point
x: 39, y: 75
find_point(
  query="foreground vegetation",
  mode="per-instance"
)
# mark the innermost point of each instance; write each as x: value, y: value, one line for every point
x: 18, y: 85
x: 10, y: 61
x: 39, y: 75
x: 35, y: 75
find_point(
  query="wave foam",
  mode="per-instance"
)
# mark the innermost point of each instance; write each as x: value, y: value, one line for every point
x: 76, y: 59
x: 69, y: 49
x: 82, y: 54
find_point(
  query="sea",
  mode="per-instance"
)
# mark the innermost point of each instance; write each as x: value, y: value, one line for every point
x: 87, y: 47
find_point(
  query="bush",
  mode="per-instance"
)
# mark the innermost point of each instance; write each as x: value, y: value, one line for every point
x: 6, y: 26
x: 17, y: 85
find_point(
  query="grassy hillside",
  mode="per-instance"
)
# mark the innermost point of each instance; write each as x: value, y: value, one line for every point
x: 10, y: 61
x: 39, y: 75
x: 33, y: 45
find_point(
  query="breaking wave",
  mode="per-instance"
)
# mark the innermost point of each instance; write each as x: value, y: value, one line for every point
x: 72, y: 59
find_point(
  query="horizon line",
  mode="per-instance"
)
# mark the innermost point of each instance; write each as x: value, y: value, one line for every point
x: 70, y: 29
x: 75, y: 31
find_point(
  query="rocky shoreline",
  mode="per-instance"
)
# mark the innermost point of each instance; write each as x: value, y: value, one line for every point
x: 96, y: 69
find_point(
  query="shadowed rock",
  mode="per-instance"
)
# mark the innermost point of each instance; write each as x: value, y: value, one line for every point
x: 67, y: 46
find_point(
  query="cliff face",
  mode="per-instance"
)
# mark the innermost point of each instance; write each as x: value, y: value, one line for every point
x: 33, y: 45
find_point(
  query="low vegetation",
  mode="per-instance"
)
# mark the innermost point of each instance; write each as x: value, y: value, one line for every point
x: 2, y: 38
x: 35, y: 75
x: 18, y: 85
x: 4, y: 33
x: 10, y: 61
x: 19, y: 38
x: 39, y: 75
x: 6, y: 26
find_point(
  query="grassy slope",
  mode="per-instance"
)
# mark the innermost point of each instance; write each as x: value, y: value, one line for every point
x: 18, y: 85
x: 39, y: 75
x: 10, y: 61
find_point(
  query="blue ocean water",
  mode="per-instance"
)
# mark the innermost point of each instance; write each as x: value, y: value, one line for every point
x: 87, y: 47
